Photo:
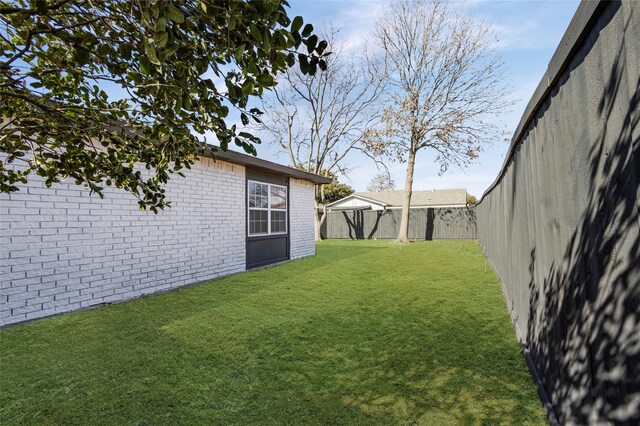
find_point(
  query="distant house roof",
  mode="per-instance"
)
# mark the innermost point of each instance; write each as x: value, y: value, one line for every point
x: 419, y: 198
x: 392, y: 199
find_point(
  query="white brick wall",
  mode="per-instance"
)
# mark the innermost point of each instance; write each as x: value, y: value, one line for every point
x: 301, y: 218
x: 62, y: 250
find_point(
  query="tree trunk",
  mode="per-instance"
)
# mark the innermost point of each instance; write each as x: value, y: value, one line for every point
x: 403, y: 235
x: 318, y: 221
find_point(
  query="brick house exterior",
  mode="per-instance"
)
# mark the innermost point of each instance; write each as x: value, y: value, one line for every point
x: 62, y: 250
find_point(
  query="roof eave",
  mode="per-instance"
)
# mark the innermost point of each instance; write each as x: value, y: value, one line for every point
x: 258, y: 163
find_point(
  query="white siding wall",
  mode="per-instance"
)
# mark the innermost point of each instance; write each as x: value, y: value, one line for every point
x: 356, y: 202
x: 63, y: 250
x: 301, y: 218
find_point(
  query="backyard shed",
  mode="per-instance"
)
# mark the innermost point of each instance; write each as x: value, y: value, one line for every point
x: 63, y: 250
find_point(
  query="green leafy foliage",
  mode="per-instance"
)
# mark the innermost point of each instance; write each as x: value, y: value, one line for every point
x: 122, y: 92
x: 335, y: 191
x: 381, y: 182
x: 330, y: 192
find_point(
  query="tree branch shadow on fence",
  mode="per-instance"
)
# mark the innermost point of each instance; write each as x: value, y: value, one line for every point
x: 450, y: 223
x: 374, y: 228
x: 584, y: 318
x: 428, y: 236
x: 356, y: 224
x: 473, y: 221
x: 431, y: 223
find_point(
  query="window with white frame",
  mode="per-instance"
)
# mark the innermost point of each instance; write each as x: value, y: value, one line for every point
x: 267, y: 208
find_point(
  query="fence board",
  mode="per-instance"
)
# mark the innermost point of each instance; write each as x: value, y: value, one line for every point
x: 424, y: 224
x: 560, y: 224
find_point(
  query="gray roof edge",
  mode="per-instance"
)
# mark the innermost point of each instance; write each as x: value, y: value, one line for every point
x: 583, y: 20
x: 413, y: 191
x: 355, y: 195
x: 370, y: 198
x: 357, y: 208
x: 254, y: 162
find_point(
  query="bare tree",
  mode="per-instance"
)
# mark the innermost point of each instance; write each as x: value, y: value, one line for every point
x: 381, y: 182
x: 318, y: 120
x: 445, y: 78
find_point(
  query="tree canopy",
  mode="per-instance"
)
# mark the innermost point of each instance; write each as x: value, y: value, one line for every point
x: 91, y: 90
x: 333, y: 191
x: 446, y: 79
x: 381, y: 182
x: 318, y: 120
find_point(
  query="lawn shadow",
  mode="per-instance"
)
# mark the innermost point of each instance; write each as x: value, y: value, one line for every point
x: 420, y: 375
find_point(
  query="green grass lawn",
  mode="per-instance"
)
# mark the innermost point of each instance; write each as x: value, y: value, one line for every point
x: 366, y: 332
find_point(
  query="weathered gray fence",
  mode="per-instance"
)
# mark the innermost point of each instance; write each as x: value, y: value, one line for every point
x: 424, y: 224
x: 561, y: 223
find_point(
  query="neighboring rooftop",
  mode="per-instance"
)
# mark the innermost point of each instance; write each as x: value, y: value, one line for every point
x: 393, y: 199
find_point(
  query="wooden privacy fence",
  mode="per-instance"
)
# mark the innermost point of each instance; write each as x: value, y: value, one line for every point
x: 424, y: 224
x: 560, y: 223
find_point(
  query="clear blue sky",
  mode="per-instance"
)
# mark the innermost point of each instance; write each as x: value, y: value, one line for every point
x: 528, y: 32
